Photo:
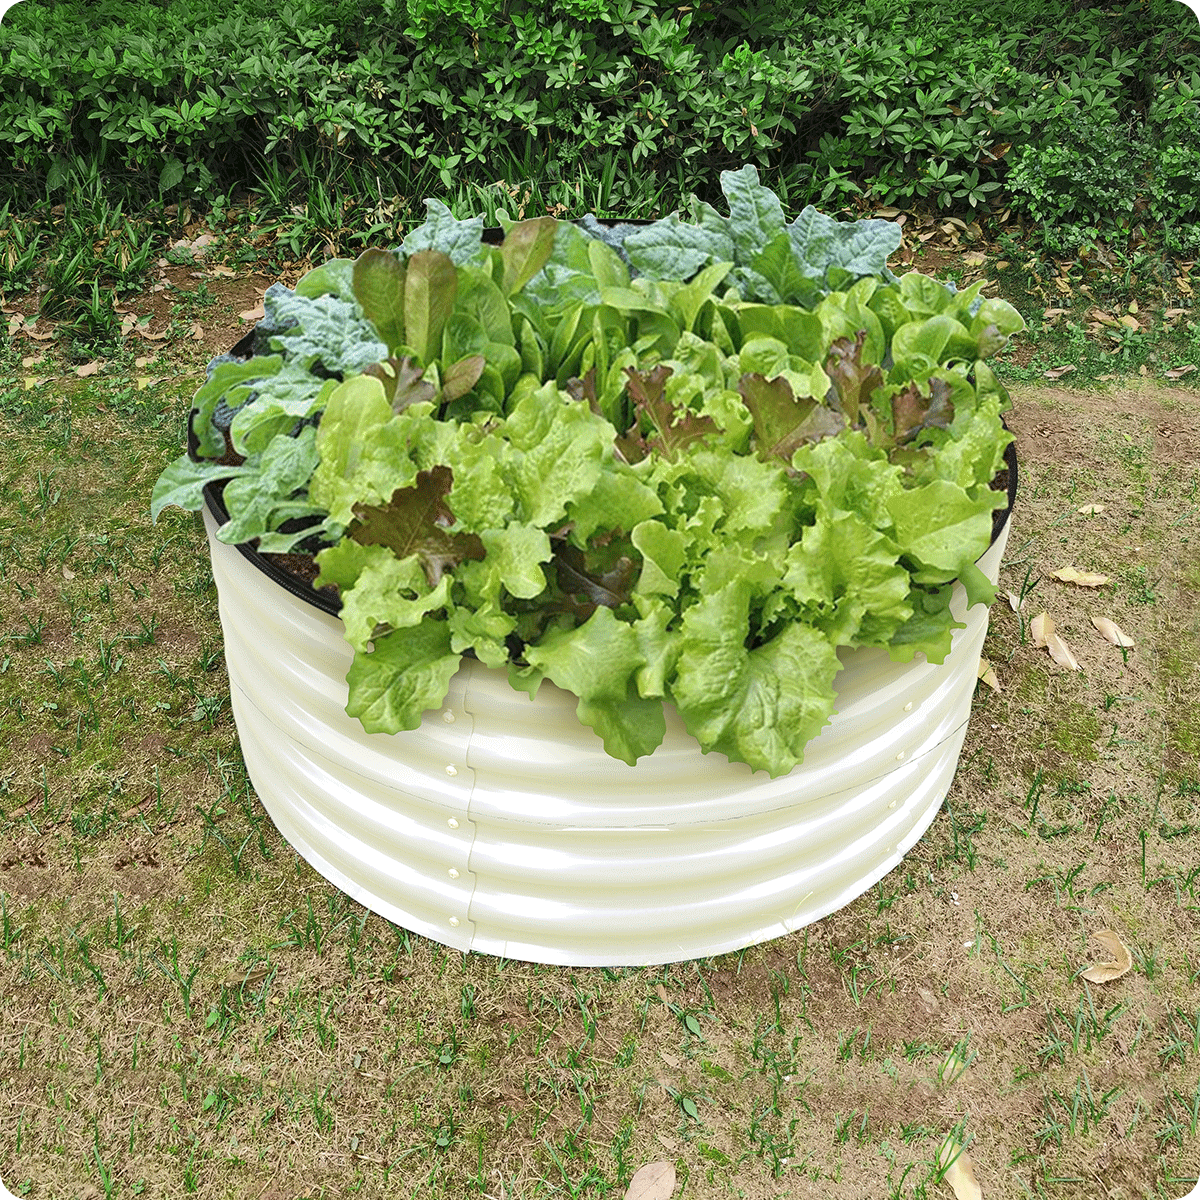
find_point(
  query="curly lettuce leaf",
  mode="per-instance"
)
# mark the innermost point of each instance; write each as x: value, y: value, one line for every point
x: 598, y: 661
x: 759, y: 706
x: 407, y: 672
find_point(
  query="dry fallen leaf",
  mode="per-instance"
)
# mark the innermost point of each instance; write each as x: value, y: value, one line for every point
x: 655, y: 1181
x: 32, y: 360
x: 1061, y: 652
x: 1014, y: 601
x: 253, y: 314
x: 141, y: 362
x: 959, y: 1173
x: 41, y: 336
x: 14, y: 323
x: 128, y: 324
x: 1059, y: 372
x: 661, y: 992
x: 87, y: 369
x: 988, y: 674
x: 929, y: 1002
x: 146, y: 381
x: 1083, y: 578
x: 1122, y: 960
x: 1180, y: 372
x: 225, y: 272
x: 1046, y: 637
x: 197, y: 331
x: 669, y: 1059
x: 150, y: 337
x: 669, y: 1144
x: 67, y: 572
x: 1111, y: 631
x: 1098, y: 314
x: 974, y: 258
x: 1131, y: 323
x: 1039, y: 629
x: 1090, y: 510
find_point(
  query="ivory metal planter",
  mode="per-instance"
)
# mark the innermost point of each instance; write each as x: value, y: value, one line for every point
x: 501, y: 825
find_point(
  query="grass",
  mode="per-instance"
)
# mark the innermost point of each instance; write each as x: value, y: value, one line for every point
x: 191, y: 1009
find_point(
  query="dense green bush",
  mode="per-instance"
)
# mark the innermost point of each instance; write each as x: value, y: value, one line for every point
x: 904, y: 99
x: 1093, y: 172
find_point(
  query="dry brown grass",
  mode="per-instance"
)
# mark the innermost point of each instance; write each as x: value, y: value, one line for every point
x: 190, y: 1009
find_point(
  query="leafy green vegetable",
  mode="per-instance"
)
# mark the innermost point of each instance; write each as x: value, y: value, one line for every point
x: 574, y: 459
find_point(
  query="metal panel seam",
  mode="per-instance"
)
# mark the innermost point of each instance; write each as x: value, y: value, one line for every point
x: 466, y: 707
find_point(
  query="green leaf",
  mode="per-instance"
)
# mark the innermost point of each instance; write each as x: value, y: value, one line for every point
x: 389, y: 592
x: 526, y: 249
x: 664, y: 552
x: 408, y: 672
x: 758, y: 706
x: 233, y: 383
x: 460, y: 377
x: 335, y: 277
x: 252, y: 497
x: 619, y: 500
x: 847, y: 576
x: 857, y: 247
x: 673, y: 249
x: 924, y: 297
x: 416, y: 521
x: 378, y: 279
x: 607, y: 266
x: 182, y: 483
x: 429, y: 292
x: 171, y: 175
x: 597, y: 661
x: 355, y: 414
x: 689, y: 1105
x: 686, y: 303
x: 281, y: 401
x: 778, y: 265
x: 479, y: 298
x: 922, y: 345
x: 562, y: 446
x: 461, y: 241
x: 515, y: 552
x: 928, y: 630
x: 943, y: 527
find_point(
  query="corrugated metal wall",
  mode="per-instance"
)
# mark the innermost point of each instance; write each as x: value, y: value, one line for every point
x: 501, y: 825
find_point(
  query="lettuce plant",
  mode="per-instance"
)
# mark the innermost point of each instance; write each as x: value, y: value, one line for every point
x: 688, y: 466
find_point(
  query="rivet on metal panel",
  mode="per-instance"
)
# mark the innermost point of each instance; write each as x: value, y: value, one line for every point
x: 892, y: 805
x: 451, y: 770
x: 900, y: 756
x: 908, y: 707
x: 454, y: 922
x: 448, y: 717
x: 453, y: 873
x: 452, y: 823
